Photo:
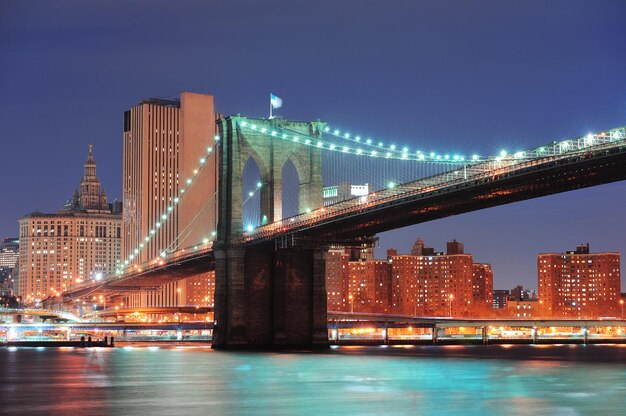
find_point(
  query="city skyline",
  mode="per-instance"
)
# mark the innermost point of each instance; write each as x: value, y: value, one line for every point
x: 328, y: 207
x: 475, y: 93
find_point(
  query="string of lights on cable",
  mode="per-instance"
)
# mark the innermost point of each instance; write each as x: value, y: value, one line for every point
x: 358, y: 146
x: 167, y: 213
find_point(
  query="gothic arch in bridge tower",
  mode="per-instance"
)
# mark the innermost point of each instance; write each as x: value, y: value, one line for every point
x: 270, y: 154
x: 290, y: 190
x: 251, y: 204
x: 266, y: 296
x: 307, y: 180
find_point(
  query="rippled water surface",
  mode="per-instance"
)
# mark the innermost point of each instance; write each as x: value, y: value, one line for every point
x: 522, y: 380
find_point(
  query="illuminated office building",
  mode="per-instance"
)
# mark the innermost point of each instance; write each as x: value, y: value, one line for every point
x: 163, y: 143
x: 9, y: 253
x: 80, y: 242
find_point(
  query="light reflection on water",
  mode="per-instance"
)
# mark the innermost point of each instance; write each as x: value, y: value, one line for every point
x: 355, y: 380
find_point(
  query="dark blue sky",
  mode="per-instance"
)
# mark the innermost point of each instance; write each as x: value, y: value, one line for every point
x: 451, y: 75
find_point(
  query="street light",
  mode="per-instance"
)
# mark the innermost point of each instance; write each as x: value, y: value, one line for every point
x: 450, y: 296
x: 621, y: 302
x: 351, y: 298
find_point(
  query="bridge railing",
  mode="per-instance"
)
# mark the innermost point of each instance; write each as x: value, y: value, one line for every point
x: 468, y: 173
x: 159, y: 262
x: 143, y: 267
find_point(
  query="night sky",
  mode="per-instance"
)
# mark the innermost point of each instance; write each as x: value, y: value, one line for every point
x: 461, y: 76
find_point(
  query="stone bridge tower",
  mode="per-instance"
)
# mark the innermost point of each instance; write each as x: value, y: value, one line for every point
x: 266, y: 296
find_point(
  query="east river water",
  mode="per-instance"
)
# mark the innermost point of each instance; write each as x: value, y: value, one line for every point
x: 195, y: 380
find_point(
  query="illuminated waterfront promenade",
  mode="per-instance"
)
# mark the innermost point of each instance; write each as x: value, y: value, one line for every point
x: 121, y: 332
x: 343, y: 329
x: 379, y: 329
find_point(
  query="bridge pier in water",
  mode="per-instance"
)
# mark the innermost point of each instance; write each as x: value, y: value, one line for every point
x: 270, y: 298
x: 267, y: 295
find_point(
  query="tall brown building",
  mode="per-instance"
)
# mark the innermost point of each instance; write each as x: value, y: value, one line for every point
x: 361, y: 285
x: 82, y: 241
x: 424, y: 283
x: 482, y: 287
x: 200, y: 291
x: 382, y: 286
x: 369, y: 285
x: 579, y: 284
x: 165, y: 144
x: 337, y: 280
x: 432, y: 285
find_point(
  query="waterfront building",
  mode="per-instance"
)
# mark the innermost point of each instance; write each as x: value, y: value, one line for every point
x: 337, y: 279
x: 432, y: 285
x: 162, y: 144
x: 579, y: 284
x: 482, y: 287
x: 424, y: 283
x: 382, y: 287
x: 80, y: 242
x: 369, y: 285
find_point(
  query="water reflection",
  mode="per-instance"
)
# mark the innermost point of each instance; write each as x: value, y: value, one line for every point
x: 344, y: 380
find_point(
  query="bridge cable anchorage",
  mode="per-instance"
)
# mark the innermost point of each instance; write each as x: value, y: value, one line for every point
x: 484, y: 170
x: 170, y: 208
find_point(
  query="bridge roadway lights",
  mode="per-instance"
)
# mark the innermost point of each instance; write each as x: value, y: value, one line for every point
x: 270, y: 299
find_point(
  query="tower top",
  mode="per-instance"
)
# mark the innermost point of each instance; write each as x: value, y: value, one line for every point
x: 90, y: 160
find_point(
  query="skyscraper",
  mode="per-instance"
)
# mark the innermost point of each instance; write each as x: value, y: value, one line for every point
x: 164, y: 141
x: 482, y: 286
x: 82, y: 241
x: 579, y: 284
x: 337, y: 279
x: 9, y: 252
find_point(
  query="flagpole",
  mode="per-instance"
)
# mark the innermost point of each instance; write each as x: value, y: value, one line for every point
x: 270, y: 106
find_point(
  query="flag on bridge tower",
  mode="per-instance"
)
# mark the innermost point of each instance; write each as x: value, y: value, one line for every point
x: 275, y: 102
